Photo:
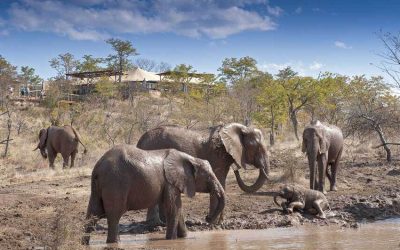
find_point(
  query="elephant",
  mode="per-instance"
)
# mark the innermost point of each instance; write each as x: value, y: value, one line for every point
x: 232, y: 144
x: 64, y: 140
x: 323, y: 143
x: 298, y: 197
x: 127, y: 178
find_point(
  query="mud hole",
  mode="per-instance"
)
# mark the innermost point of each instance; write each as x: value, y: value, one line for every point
x: 48, y: 210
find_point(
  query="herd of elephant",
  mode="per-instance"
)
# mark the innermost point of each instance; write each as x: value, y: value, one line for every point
x: 170, y: 160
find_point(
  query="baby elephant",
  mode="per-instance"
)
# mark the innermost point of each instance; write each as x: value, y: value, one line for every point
x: 298, y: 197
x: 127, y: 178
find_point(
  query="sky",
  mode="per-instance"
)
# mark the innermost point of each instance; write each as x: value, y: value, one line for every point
x: 340, y: 36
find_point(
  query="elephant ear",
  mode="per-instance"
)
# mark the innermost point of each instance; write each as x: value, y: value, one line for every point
x: 43, y: 137
x: 323, y: 143
x: 180, y: 171
x: 231, y: 136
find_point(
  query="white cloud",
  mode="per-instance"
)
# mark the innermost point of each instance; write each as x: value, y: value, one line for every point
x: 275, y: 11
x: 99, y: 19
x: 316, y: 66
x: 274, y: 68
x: 342, y: 45
x: 298, y: 10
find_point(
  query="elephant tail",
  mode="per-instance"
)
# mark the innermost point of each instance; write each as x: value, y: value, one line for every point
x: 79, y: 140
x: 95, y: 207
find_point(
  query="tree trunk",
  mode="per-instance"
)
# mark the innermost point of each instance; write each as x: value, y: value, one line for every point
x: 293, y: 119
x: 378, y: 129
x: 272, y: 134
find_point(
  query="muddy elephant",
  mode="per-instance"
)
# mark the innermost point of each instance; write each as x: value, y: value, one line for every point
x: 63, y: 140
x: 127, y: 178
x: 300, y: 198
x: 233, y: 144
x: 323, y: 144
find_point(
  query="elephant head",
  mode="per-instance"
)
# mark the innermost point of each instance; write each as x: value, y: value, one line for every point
x: 314, y: 145
x: 289, y: 193
x: 42, y: 142
x: 247, y: 147
x: 184, y: 171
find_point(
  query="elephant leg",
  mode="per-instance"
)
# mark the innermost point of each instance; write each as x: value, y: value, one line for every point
x: 153, y: 216
x: 334, y: 169
x: 295, y: 205
x: 172, y: 208
x: 52, y: 157
x: 214, y: 201
x: 182, y: 231
x: 317, y: 206
x: 73, y: 156
x: 321, y: 172
x: 65, y: 160
x: 113, y: 230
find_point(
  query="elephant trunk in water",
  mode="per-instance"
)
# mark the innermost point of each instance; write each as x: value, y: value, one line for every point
x: 262, y: 164
x: 216, y: 190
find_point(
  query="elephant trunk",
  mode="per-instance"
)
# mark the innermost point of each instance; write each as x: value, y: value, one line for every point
x: 263, y: 165
x: 276, y: 195
x: 217, y: 191
x: 312, y: 163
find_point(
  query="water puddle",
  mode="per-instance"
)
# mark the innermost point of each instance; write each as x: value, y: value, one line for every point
x: 378, y: 235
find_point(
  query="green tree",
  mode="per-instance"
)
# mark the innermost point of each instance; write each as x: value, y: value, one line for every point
x: 120, y: 60
x: 90, y: 63
x: 64, y: 64
x: 273, y: 103
x: 8, y: 79
x: 234, y: 70
x: 299, y: 92
x: 28, y: 75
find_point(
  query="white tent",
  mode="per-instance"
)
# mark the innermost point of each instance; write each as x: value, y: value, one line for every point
x: 139, y: 75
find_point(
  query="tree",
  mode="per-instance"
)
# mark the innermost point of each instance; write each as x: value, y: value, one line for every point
x: 64, y: 64
x: 120, y: 60
x: 90, y: 63
x: 372, y: 107
x: 181, y: 76
x: 273, y: 111
x: 234, y: 70
x: 391, y: 56
x: 8, y: 79
x: 28, y: 76
x: 298, y: 90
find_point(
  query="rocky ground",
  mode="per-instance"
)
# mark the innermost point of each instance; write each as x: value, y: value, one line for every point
x: 45, y: 208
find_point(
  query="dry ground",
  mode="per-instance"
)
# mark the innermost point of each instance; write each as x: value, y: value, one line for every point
x: 40, y: 207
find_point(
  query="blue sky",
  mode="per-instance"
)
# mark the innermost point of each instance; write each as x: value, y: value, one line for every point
x: 310, y: 36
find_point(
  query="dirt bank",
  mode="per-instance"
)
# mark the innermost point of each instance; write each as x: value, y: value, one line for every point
x: 43, y: 207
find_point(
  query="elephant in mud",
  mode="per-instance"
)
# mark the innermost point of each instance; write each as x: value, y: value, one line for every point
x: 323, y: 144
x: 298, y: 197
x: 64, y: 140
x: 233, y: 144
x: 127, y: 178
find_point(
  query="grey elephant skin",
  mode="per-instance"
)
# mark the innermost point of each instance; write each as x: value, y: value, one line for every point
x: 298, y: 197
x: 127, y: 178
x: 323, y: 144
x: 233, y: 144
x: 63, y: 140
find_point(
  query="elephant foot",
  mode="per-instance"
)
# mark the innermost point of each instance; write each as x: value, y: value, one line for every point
x: 322, y: 216
x: 333, y: 188
x: 155, y: 223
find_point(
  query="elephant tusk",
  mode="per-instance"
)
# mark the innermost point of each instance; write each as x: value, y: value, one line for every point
x: 37, y: 147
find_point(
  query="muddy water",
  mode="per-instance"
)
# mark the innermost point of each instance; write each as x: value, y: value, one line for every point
x: 378, y: 235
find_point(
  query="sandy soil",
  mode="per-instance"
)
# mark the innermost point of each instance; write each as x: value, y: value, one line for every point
x: 45, y: 208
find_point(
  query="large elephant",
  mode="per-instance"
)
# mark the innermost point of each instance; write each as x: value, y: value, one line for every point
x: 64, y: 140
x: 322, y: 143
x: 127, y: 178
x: 233, y: 144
